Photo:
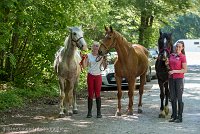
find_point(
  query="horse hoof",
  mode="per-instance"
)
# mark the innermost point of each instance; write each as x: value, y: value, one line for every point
x: 118, y: 114
x: 75, y: 111
x: 70, y: 114
x: 61, y: 116
x: 139, y: 111
x: 161, y: 116
x: 129, y: 113
x: 166, y: 110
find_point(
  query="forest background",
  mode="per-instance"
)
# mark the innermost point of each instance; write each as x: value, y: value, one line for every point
x: 31, y: 31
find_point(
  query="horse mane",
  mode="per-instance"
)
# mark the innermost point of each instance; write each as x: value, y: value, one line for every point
x: 67, y: 42
x: 123, y: 41
x: 121, y: 38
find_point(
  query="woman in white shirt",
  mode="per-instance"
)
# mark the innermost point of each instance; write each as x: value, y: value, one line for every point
x: 94, y: 79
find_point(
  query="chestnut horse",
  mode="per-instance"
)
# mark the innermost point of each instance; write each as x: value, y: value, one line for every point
x: 132, y: 62
x: 67, y: 68
x: 165, y: 47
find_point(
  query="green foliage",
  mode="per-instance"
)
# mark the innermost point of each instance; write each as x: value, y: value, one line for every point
x: 8, y: 100
x: 81, y: 90
x: 34, y: 30
x: 83, y: 81
x: 140, y: 20
x: 18, y: 97
x: 185, y: 27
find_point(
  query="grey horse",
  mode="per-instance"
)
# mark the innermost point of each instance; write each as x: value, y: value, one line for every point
x: 67, y: 68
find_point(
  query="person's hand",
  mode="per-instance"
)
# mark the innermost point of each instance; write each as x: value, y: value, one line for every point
x: 84, y: 56
x: 171, y: 72
x: 167, y: 62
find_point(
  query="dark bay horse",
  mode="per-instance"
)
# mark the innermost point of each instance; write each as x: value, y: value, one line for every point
x: 165, y: 47
x: 132, y: 62
x: 67, y: 68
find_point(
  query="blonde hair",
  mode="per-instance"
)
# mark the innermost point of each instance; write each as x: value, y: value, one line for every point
x: 95, y: 43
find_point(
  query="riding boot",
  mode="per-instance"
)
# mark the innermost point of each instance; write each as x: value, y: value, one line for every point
x: 90, y: 101
x: 180, y: 111
x: 98, y: 102
x: 174, y: 111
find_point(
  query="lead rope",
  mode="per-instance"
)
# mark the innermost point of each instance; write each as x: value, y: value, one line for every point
x: 98, y: 58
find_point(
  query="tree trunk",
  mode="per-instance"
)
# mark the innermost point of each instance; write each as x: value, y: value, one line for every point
x: 145, y: 24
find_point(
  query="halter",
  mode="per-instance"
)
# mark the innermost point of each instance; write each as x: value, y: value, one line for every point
x: 76, y: 41
x: 112, y: 45
x: 98, y: 58
x: 166, y: 49
x: 107, y: 49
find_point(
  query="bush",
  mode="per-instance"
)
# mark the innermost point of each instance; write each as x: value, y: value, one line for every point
x: 17, y: 97
x: 9, y: 100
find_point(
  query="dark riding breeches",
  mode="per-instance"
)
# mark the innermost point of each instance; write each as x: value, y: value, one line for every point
x: 176, y: 87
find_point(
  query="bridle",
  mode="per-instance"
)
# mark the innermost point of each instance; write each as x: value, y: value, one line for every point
x: 98, y: 58
x: 76, y: 41
x: 108, y: 48
x: 165, y: 49
x: 168, y: 51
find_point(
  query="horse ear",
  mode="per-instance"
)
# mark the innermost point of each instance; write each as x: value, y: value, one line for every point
x: 170, y: 34
x: 70, y: 29
x: 111, y: 29
x: 80, y: 26
x: 160, y: 31
x: 106, y: 28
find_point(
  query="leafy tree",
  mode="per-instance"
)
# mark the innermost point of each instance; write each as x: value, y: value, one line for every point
x: 148, y: 15
x: 33, y: 30
x: 185, y: 27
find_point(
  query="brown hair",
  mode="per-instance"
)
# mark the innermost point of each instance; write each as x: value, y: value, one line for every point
x: 183, y: 50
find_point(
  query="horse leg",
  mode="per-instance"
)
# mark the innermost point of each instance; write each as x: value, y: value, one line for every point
x: 62, y: 97
x: 75, y: 109
x: 119, y: 95
x: 131, y: 87
x: 162, y: 112
x: 166, y: 108
x: 68, y: 98
x: 141, y: 91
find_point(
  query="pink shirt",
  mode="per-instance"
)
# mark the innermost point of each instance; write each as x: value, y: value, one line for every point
x: 175, y: 63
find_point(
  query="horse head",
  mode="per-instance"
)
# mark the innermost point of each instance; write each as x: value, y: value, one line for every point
x: 77, y: 38
x: 108, y: 42
x: 165, y: 46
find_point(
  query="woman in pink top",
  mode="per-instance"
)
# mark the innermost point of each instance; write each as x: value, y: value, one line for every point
x: 94, y: 79
x: 178, y: 66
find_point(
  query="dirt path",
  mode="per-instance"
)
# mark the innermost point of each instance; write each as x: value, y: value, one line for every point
x: 42, y: 117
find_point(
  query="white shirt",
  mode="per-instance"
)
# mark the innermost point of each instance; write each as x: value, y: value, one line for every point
x: 93, y: 66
